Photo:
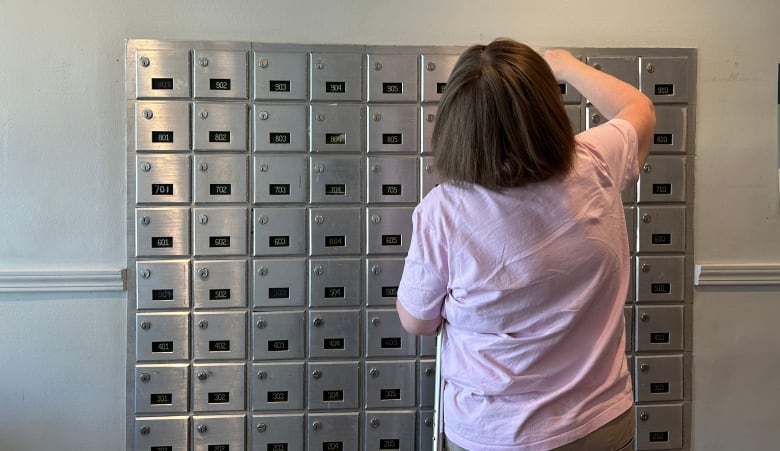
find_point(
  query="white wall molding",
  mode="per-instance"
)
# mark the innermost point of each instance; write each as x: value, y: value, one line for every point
x: 47, y: 281
x: 737, y: 275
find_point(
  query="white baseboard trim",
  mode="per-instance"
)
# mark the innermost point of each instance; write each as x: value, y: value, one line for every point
x: 737, y: 275
x: 49, y: 281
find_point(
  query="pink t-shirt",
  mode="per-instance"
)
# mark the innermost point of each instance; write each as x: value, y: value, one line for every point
x: 531, y: 283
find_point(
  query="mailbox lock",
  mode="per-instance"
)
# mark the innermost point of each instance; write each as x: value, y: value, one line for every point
x: 374, y: 422
x: 644, y: 317
x: 596, y: 118
x: 374, y: 168
x: 320, y: 167
x: 373, y: 372
x: 144, y: 430
x: 316, y: 374
x: 202, y: 428
x: 263, y: 219
x: 319, y: 270
x: 376, y: 218
x: 263, y: 63
x: 430, y: 371
x: 263, y: 115
x: 376, y: 270
x: 146, y: 273
x: 377, y: 66
x: 430, y: 117
x: 429, y: 168
x: 203, y: 273
x: 203, y: 61
x: 320, y: 65
x: 319, y: 219
x: 429, y: 422
x: 203, y: 376
x: 145, y: 377
x: 431, y: 66
x: 651, y: 68
x: 377, y: 117
x: 261, y: 323
x: 263, y: 167
x: 148, y: 114
x: 145, y: 220
x: 203, y: 166
x: 263, y: 271
x: 204, y: 114
x: 320, y: 117
x: 146, y: 166
x: 644, y: 416
x: 597, y: 66
x: 316, y: 425
x: 645, y: 267
x: 261, y: 427
x: 262, y: 374
x: 317, y: 321
x: 203, y: 324
x: 144, y: 61
x: 375, y: 321
x: 203, y: 219
x: 644, y: 367
x: 646, y: 218
x: 146, y: 325
x: 647, y: 168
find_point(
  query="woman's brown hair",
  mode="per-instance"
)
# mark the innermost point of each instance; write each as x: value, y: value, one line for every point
x: 501, y: 122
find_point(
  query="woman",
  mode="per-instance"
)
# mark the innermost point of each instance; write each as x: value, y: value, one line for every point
x: 522, y: 255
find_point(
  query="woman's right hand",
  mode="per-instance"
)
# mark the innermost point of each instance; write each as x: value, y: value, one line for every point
x: 559, y: 60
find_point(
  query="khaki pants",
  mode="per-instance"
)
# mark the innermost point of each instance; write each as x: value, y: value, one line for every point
x: 617, y: 435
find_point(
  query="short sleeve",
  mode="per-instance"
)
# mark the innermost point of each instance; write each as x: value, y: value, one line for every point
x: 616, y: 144
x: 424, y: 280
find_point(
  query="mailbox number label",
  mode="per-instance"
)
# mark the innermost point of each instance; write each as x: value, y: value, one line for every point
x: 392, y: 88
x: 219, y: 136
x: 162, y: 241
x: 664, y: 90
x: 219, y: 241
x: 662, y: 188
x: 220, y: 189
x: 440, y: 88
x: 389, y: 443
x: 389, y: 394
x: 279, y: 189
x: 161, y: 448
x: 390, y: 343
x: 662, y: 138
x: 389, y: 292
x: 659, y: 337
x: 659, y: 387
x: 219, y: 448
x: 335, y: 241
x: 161, y: 398
x: 392, y: 138
x: 660, y: 288
x: 661, y: 238
x: 276, y: 447
x: 333, y: 395
x: 219, y: 294
x: 333, y: 343
x: 336, y: 189
x: 659, y: 436
x: 279, y: 138
x: 391, y: 240
x: 219, y: 84
x: 391, y: 190
x: 162, y: 189
x: 221, y: 397
x: 332, y: 446
x: 219, y: 346
x: 279, y: 85
x: 162, y: 136
x: 336, y: 87
x: 278, y: 293
x: 278, y: 241
x: 278, y: 345
x: 162, y: 83
x: 334, y: 292
x: 278, y: 396
x: 162, y: 346
x: 335, y: 138
x: 162, y: 295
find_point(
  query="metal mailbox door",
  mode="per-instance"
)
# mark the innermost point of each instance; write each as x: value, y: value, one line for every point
x: 628, y: 318
x: 218, y: 432
x: 219, y: 283
x: 659, y: 426
x: 162, y: 336
x: 162, y: 73
x: 671, y: 129
x: 660, y: 278
x: 279, y: 283
x: 278, y: 335
x: 220, y: 179
x: 435, y: 71
x: 220, y: 74
x: 333, y: 385
x: 664, y: 79
x: 277, y: 386
x: 219, y: 230
x: 218, y: 387
x: 392, y: 78
x: 162, y: 433
x: 337, y: 127
x: 385, y: 337
x: 630, y: 213
x: 279, y: 231
x: 629, y: 195
x: 429, y: 178
x: 162, y: 388
x: 388, y: 230
x: 425, y: 429
x: 333, y: 431
x: 574, y: 112
x: 162, y: 284
x: 220, y: 126
x: 659, y: 328
x: 336, y: 76
x: 427, y: 345
x: 661, y: 228
x: 631, y: 294
x: 383, y: 274
x: 392, y: 128
x: 281, y: 179
x: 219, y: 335
x: 625, y: 68
x: 658, y: 378
x: 162, y: 126
x: 162, y: 179
x: 389, y: 430
x: 426, y: 382
x: 280, y: 76
x: 334, y: 334
x: 392, y: 179
x: 390, y: 384
x: 334, y: 282
x: 272, y: 432
x: 427, y: 121
x: 280, y: 128
x: 663, y: 179
x: 334, y: 231
x: 162, y: 232
x: 336, y: 180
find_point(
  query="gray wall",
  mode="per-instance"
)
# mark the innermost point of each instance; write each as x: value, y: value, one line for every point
x: 62, y: 181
